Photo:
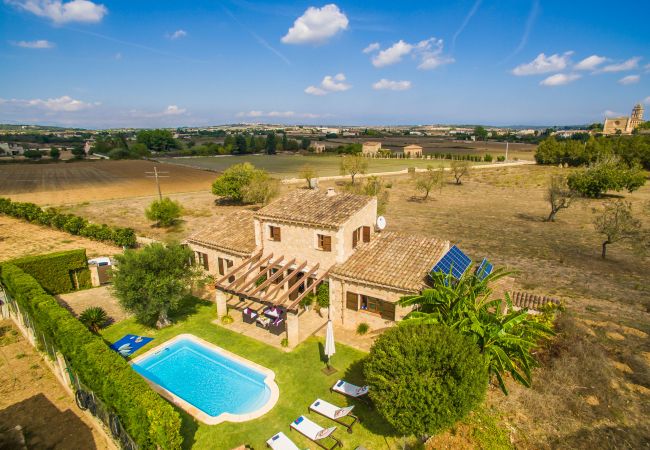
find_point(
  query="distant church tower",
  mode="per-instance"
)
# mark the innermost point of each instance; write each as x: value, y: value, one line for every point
x: 637, y: 117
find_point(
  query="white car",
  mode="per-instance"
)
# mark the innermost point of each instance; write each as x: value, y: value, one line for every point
x: 101, y: 261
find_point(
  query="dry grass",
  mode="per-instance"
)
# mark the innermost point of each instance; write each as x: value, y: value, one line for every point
x: 18, y: 238
x: 65, y: 183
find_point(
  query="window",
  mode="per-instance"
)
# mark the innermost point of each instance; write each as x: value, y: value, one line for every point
x: 224, y: 265
x: 325, y: 242
x: 274, y: 233
x: 202, y: 259
x: 361, y: 233
x: 369, y: 304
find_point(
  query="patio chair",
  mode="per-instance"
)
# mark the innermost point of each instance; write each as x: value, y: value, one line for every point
x: 334, y: 413
x: 315, y: 433
x: 281, y: 442
x: 277, y: 326
x: 351, y: 390
x: 248, y: 315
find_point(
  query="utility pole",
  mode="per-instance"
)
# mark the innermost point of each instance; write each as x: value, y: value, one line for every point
x: 157, y: 175
x: 507, y: 143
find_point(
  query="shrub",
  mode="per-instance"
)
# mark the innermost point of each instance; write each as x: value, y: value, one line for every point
x: 227, y: 319
x: 363, y: 328
x: 123, y: 237
x: 230, y: 184
x: 150, y: 421
x: 501, y: 158
x: 164, y: 212
x: 487, y: 157
x: 58, y: 272
x: 606, y: 176
x: 94, y: 317
x: 284, y: 342
x: 424, y: 378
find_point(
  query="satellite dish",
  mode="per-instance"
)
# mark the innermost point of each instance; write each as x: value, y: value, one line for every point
x: 381, y: 222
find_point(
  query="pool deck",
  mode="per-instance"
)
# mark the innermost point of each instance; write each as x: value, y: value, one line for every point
x: 196, y: 412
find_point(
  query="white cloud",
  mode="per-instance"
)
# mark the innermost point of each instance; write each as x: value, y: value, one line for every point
x: 316, y: 25
x: 590, y: 63
x: 560, y: 79
x: 173, y: 110
x: 118, y: 56
x: 371, y: 47
x: 609, y: 113
x: 647, y: 100
x: 392, y: 54
x: 329, y: 84
x: 428, y: 51
x: 277, y: 114
x: 629, y: 64
x: 40, y: 44
x: 647, y: 68
x: 63, y: 12
x: 177, y: 34
x: 543, y: 64
x: 630, y: 79
x: 391, y: 85
x: 64, y: 103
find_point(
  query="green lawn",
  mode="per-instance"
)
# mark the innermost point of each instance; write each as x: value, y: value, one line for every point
x: 288, y: 166
x: 298, y: 375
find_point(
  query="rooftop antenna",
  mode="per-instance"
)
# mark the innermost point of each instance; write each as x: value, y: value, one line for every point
x: 157, y: 175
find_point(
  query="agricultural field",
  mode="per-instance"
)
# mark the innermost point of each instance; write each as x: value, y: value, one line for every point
x: 83, y: 181
x: 288, y: 166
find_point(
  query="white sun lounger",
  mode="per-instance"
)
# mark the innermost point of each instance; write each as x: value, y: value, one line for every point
x: 349, y: 389
x: 281, y: 442
x: 334, y: 413
x: 314, y: 432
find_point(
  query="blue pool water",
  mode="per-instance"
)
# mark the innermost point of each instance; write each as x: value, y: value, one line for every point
x: 212, y: 382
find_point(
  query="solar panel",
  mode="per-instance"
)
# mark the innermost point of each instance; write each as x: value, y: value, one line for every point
x: 484, y: 269
x: 454, y: 261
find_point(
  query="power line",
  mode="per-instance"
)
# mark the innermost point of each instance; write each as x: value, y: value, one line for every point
x: 157, y: 175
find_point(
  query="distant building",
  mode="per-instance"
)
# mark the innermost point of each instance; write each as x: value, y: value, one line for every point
x: 370, y: 148
x: 9, y: 149
x: 318, y: 147
x: 624, y: 125
x: 413, y: 151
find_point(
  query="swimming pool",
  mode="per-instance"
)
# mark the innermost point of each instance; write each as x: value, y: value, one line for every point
x: 208, y: 382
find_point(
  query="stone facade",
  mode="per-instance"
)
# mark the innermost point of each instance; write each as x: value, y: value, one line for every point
x: 318, y: 147
x: 370, y: 148
x: 624, y: 124
x: 413, y: 151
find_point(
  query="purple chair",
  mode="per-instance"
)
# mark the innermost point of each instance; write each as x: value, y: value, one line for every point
x: 277, y: 327
x: 249, y: 316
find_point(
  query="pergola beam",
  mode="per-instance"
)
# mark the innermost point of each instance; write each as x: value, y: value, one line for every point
x: 238, y: 268
x: 312, y: 288
x: 249, y: 271
x: 272, y: 278
x: 274, y: 290
x: 282, y: 300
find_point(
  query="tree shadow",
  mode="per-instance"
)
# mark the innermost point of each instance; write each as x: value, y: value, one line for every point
x: 189, y: 427
x: 189, y: 306
x: 530, y: 217
x: 417, y: 199
x: 604, y: 437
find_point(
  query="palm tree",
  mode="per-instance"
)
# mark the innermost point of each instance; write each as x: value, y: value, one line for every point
x: 505, y: 338
x: 94, y: 318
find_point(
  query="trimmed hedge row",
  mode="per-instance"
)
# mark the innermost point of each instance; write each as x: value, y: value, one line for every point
x: 151, y: 421
x: 56, y: 272
x: 123, y: 237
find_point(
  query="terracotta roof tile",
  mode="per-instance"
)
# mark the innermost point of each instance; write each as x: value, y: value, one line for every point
x: 314, y: 207
x: 392, y: 259
x: 233, y: 233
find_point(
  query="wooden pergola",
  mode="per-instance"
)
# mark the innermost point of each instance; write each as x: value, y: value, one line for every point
x: 243, y: 280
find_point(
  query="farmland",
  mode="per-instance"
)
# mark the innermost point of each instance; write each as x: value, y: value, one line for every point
x: 64, y: 183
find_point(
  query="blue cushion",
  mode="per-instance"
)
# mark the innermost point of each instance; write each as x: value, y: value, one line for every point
x: 276, y: 437
x: 340, y: 383
x: 298, y: 420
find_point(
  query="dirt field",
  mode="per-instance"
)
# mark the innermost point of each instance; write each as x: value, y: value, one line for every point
x: 18, y: 238
x: 31, y: 397
x: 101, y: 296
x: 64, y: 183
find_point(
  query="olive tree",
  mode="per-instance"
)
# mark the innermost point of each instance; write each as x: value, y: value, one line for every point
x: 308, y: 173
x: 353, y: 165
x: 152, y: 282
x: 558, y: 195
x: 424, y: 378
x: 164, y: 212
x: 459, y: 169
x: 244, y: 183
x: 427, y: 181
x: 616, y: 222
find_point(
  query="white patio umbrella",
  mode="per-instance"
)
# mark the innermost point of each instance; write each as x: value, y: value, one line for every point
x: 330, y: 348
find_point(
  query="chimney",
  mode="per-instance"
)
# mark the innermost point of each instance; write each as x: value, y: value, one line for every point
x: 331, y: 192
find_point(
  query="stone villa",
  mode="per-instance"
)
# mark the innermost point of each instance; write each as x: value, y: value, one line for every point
x: 413, y: 151
x: 370, y: 148
x: 274, y: 257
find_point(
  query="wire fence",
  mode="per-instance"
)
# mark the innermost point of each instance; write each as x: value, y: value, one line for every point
x: 85, y: 398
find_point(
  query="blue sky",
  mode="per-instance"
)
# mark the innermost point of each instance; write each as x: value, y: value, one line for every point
x: 172, y: 63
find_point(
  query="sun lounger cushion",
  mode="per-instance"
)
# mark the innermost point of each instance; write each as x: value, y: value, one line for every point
x: 350, y: 389
x: 281, y: 442
x: 329, y: 410
x: 311, y: 429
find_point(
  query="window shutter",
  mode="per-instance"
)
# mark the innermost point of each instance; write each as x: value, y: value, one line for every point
x: 221, y: 268
x: 366, y: 234
x: 206, y: 265
x: 355, y: 238
x: 352, y: 301
x: 327, y: 243
x: 387, y: 310
x: 278, y: 234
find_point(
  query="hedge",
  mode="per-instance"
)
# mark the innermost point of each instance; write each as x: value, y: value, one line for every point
x: 123, y: 237
x: 56, y: 272
x: 151, y: 421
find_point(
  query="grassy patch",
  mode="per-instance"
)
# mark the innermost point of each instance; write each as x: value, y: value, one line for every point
x: 298, y: 375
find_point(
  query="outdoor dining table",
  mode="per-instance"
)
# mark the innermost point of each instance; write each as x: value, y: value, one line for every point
x: 265, y: 321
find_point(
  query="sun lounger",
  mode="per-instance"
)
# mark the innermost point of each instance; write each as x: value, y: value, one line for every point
x: 350, y: 390
x: 281, y: 442
x: 334, y: 413
x: 315, y: 433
